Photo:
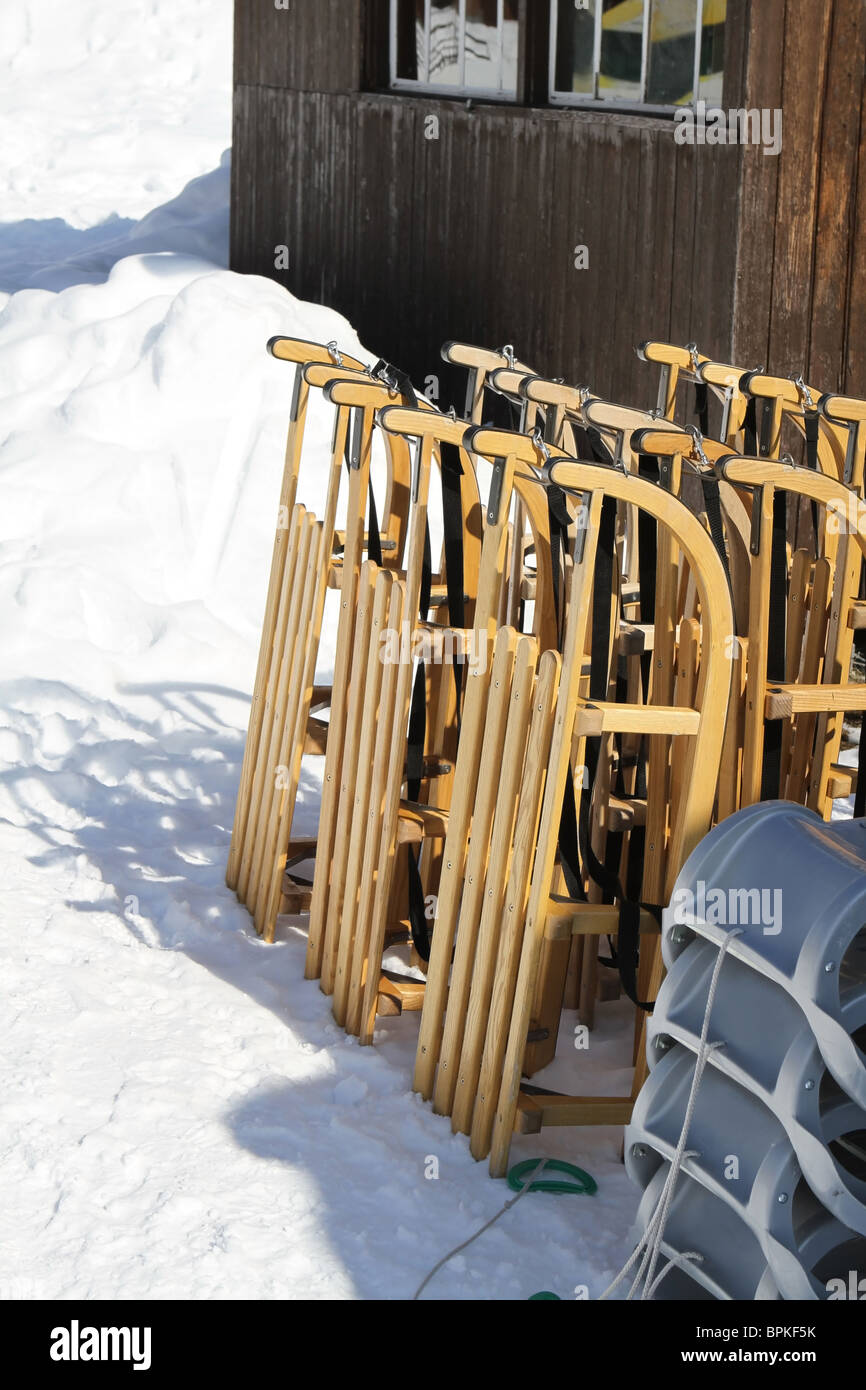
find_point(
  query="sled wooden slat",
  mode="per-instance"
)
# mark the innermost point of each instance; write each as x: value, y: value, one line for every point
x: 783, y: 701
x: 354, y: 821
x: 450, y: 886
x: 545, y: 1111
x: 275, y: 747
x: 396, y: 997
x: 364, y: 396
x: 395, y: 733
x: 504, y: 658
x: 514, y: 903
x: 303, y: 675
x: 272, y: 713
x: 339, y: 906
x: 370, y: 791
x: 564, y: 919
x: 693, y: 815
x: 270, y: 860
x: 487, y: 872
x: 600, y: 717
x: 370, y: 931
x: 288, y: 493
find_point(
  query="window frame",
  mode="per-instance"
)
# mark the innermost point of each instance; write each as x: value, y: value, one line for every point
x: 458, y: 91
x: 627, y: 105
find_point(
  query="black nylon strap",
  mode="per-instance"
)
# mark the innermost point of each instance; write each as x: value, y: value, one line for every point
x: 702, y: 407
x: 776, y: 644
x: 374, y: 537
x: 569, y: 844
x: 452, y: 525
x: 601, y: 602
x: 426, y: 578
x: 415, y: 767
x: 750, y: 428
x: 414, y: 778
x: 626, y: 956
x: 713, y: 503
x: 812, y: 422
x: 600, y: 452
x: 400, y: 381
x: 559, y: 521
x: 417, y: 735
x: 628, y: 937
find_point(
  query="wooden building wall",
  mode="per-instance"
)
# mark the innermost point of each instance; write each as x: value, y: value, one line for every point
x: 473, y: 235
x: 801, y: 266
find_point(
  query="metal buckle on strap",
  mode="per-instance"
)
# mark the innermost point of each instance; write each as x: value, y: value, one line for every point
x: 804, y: 393
x: 386, y: 374
x: 508, y: 354
x: 698, y: 443
x: 336, y: 355
x: 541, y: 443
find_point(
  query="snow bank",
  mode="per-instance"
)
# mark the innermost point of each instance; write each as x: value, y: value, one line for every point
x: 110, y: 109
x: 183, y: 1118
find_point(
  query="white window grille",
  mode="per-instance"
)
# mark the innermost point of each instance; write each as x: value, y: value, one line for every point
x: 648, y: 55
x: 455, y: 47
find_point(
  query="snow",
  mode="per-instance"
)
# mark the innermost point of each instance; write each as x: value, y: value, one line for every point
x: 183, y: 1118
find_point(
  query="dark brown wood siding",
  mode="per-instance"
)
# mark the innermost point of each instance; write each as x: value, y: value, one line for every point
x: 473, y: 235
x: 801, y: 247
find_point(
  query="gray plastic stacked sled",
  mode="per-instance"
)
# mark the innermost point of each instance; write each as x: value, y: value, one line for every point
x: 773, y: 1195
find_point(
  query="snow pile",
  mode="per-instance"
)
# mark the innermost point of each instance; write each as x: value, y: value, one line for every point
x: 49, y: 255
x: 183, y: 1118
x: 110, y: 109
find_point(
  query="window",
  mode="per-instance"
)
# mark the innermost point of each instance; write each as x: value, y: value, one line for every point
x: 651, y: 54
x: 455, y: 47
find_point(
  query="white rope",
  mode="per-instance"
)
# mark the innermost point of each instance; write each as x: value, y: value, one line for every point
x: 536, y: 1172
x: 675, y: 1262
x: 649, y: 1247
x: 652, y: 1240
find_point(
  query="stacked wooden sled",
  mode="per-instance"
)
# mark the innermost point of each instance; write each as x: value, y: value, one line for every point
x: 638, y: 622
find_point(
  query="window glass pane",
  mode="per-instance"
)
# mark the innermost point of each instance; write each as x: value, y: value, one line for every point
x: 621, y: 49
x: 410, y: 40
x: 673, y: 25
x: 444, y: 43
x: 482, y: 44
x: 575, y: 49
x: 510, y: 43
x: 713, y: 50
